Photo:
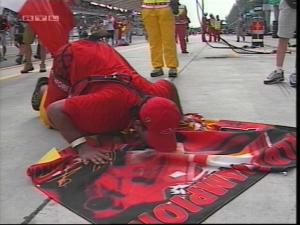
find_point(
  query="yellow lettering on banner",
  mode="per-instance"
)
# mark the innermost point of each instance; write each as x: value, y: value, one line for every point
x: 64, y: 180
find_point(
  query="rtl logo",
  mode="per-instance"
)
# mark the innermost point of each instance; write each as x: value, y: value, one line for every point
x: 40, y: 18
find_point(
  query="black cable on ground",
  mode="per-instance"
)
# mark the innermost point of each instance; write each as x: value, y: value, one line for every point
x: 257, y: 52
x: 230, y: 46
x: 246, y: 51
x: 29, y: 218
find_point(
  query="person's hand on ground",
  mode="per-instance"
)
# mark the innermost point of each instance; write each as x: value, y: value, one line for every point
x: 93, y: 154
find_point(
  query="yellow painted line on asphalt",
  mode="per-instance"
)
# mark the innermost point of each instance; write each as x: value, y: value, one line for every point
x: 121, y: 51
x: 31, y: 73
x: 8, y: 77
x: 17, y: 66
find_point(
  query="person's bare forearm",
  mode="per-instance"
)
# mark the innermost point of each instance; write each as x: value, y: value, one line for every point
x: 62, y: 122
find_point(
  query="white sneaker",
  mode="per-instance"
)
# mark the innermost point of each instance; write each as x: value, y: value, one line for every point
x: 274, y: 77
x: 293, y: 80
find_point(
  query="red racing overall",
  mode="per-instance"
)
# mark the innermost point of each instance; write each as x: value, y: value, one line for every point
x: 98, y: 107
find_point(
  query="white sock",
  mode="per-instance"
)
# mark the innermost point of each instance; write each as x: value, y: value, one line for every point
x: 278, y: 69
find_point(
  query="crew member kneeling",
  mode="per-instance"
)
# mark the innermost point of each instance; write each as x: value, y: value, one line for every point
x: 92, y: 90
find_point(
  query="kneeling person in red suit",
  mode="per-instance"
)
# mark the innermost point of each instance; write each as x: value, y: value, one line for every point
x: 92, y: 90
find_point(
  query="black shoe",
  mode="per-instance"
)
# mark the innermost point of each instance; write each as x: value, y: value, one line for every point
x: 172, y: 72
x: 37, y: 56
x: 185, y: 52
x: 36, y: 95
x: 19, y: 60
x: 157, y: 73
x: 27, y: 69
x: 293, y: 80
x: 43, y: 68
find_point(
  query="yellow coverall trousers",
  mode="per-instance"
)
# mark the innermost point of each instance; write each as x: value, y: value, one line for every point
x: 160, y: 27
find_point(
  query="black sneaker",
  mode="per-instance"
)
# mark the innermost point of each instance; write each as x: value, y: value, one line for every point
x: 43, y: 68
x: 27, y: 68
x: 293, y: 80
x: 274, y: 77
x: 36, y: 96
x: 157, y: 72
x: 37, y: 56
x: 185, y: 52
x: 19, y: 60
x: 173, y: 72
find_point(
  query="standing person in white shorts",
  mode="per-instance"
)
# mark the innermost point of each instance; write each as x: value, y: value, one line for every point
x: 286, y: 30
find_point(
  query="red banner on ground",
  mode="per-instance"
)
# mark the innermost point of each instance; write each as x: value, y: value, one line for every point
x: 215, y: 162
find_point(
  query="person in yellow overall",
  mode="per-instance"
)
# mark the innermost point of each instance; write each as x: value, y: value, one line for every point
x: 217, y: 29
x: 159, y: 23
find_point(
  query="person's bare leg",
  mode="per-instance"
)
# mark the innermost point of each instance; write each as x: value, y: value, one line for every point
x: 277, y: 75
x: 21, y: 49
x: 27, y: 53
x: 43, y: 58
x: 19, y: 59
x: 281, y: 51
x: 4, y: 51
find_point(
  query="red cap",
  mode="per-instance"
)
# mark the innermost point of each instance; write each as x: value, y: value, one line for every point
x: 161, y: 117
